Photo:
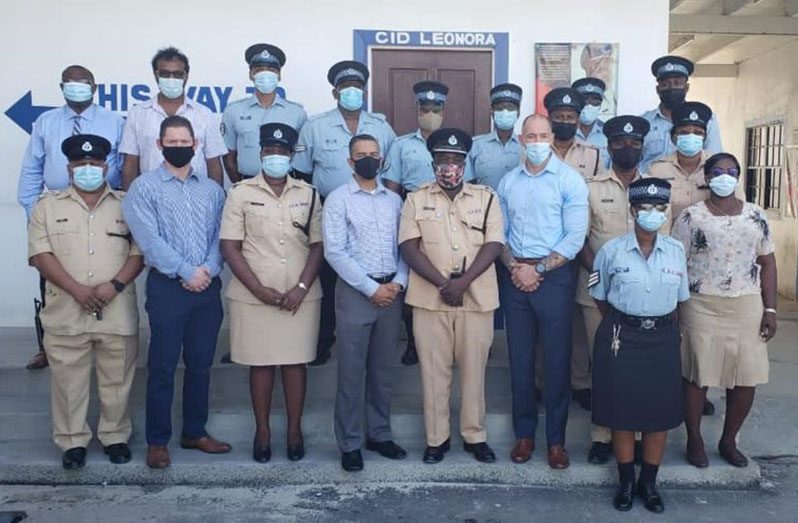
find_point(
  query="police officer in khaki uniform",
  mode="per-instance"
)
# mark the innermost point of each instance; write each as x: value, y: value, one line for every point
x: 450, y: 234
x: 564, y: 106
x: 80, y: 243
x: 609, y: 217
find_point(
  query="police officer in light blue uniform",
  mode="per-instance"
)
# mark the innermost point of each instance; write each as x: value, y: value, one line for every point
x: 408, y: 165
x: 496, y: 153
x: 322, y: 157
x: 242, y: 119
x: 591, y: 128
x: 639, y: 279
x: 672, y: 74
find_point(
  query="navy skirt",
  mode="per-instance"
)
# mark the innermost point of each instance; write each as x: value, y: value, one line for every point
x: 640, y: 389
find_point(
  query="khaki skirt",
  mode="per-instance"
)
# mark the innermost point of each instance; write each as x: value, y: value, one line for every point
x: 264, y: 335
x: 721, y: 346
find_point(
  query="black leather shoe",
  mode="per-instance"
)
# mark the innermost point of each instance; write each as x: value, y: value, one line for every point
x: 118, y: 453
x: 599, y: 453
x: 295, y: 452
x: 410, y: 357
x: 387, y: 449
x: 709, y: 408
x: 651, y: 498
x: 74, y: 459
x: 261, y: 453
x: 352, y: 461
x: 435, y: 454
x: 638, y: 452
x: 624, y: 497
x: 226, y: 358
x: 584, y: 397
x: 481, y: 451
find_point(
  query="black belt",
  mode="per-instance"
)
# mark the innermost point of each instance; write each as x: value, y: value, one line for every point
x: 382, y: 280
x: 645, y: 322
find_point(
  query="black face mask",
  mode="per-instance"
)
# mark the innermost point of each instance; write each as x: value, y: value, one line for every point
x: 367, y: 167
x: 672, y: 98
x: 626, y: 157
x: 178, y: 156
x: 563, y: 131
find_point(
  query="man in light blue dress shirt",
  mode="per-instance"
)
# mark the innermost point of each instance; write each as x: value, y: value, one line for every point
x: 545, y: 204
x: 44, y: 166
x: 360, y: 226
x: 321, y: 158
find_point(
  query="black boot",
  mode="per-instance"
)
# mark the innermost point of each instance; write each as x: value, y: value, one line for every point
x: 625, y: 495
x: 647, y: 488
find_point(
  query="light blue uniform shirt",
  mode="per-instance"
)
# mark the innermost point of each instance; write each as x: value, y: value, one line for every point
x: 658, y: 143
x: 640, y: 287
x: 44, y: 165
x: 361, y: 231
x: 241, y: 123
x: 409, y: 163
x: 490, y: 159
x: 597, y: 139
x: 323, y: 147
x: 544, y: 212
x: 176, y: 223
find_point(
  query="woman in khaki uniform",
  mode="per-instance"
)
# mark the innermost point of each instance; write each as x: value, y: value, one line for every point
x: 271, y: 238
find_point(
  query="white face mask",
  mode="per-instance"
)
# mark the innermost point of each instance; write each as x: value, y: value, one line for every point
x: 171, y: 87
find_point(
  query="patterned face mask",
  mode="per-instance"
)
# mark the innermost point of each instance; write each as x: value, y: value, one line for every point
x: 449, y: 175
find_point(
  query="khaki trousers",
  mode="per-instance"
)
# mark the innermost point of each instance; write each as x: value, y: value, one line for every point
x: 443, y: 339
x: 70, y: 360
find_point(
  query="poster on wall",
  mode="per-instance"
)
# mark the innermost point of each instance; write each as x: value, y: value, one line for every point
x: 559, y: 65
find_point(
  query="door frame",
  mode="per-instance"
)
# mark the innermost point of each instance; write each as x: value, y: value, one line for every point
x: 364, y: 40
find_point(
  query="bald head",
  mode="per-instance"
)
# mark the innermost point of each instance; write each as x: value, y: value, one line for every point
x: 536, y: 128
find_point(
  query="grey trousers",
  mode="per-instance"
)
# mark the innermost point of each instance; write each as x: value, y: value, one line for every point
x: 367, y: 339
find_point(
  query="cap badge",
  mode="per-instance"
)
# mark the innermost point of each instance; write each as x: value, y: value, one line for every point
x: 628, y: 128
x: 669, y: 67
x: 694, y: 116
x: 566, y: 99
x: 452, y: 140
x: 430, y: 95
x: 589, y: 88
x: 652, y: 189
x: 87, y: 147
x: 278, y: 134
x: 265, y: 53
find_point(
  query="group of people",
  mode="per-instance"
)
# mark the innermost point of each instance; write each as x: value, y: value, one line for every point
x: 336, y: 231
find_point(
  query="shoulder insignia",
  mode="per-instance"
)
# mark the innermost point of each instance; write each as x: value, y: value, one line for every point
x: 593, y: 279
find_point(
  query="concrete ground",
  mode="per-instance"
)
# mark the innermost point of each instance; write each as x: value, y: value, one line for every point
x: 233, y: 488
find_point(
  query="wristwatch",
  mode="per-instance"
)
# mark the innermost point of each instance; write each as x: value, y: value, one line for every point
x: 302, y: 286
x: 118, y: 285
x: 540, y: 267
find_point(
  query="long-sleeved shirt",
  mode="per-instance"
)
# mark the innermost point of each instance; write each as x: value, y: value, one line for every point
x: 658, y: 143
x: 176, y: 222
x: 360, y: 231
x: 545, y: 212
x: 45, y: 166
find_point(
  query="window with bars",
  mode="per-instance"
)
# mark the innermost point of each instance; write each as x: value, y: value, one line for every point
x: 765, y: 165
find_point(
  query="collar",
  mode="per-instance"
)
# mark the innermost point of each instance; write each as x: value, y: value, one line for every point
x: 153, y: 104
x: 260, y: 182
x: 278, y: 100
x: 553, y: 165
x: 166, y: 174
x: 467, y: 190
x: 609, y: 174
x: 338, y: 118
x: 494, y: 136
x: 355, y: 188
x: 87, y: 114
x: 674, y: 159
x: 632, y: 244
x: 72, y: 193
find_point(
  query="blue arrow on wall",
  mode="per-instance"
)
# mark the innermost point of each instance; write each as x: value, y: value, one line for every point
x: 24, y: 113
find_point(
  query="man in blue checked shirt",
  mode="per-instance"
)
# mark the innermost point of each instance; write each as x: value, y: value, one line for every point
x: 360, y: 226
x: 174, y: 215
x: 44, y: 166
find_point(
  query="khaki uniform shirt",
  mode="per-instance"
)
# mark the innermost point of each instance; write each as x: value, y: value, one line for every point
x: 686, y: 188
x: 274, y: 245
x: 91, y: 245
x: 451, y: 235
x: 583, y: 157
x: 609, y: 217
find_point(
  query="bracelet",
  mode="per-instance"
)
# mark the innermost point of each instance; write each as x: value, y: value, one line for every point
x: 771, y: 311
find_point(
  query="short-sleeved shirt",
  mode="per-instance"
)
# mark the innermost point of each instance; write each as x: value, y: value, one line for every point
x: 143, y: 126
x: 323, y: 147
x: 452, y: 233
x: 638, y: 286
x: 583, y: 157
x: 91, y: 245
x: 722, y: 250
x: 686, y: 188
x: 274, y: 244
x: 658, y: 143
x: 241, y: 123
x: 597, y: 139
x: 409, y: 163
x: 490, y: 159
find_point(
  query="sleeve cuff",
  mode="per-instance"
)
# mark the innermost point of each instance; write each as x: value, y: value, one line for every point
x: 186, y: 271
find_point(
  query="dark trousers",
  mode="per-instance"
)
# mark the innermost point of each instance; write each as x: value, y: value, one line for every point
x: 545, y: 316
x: 328, y: 278
x: 180, y: 319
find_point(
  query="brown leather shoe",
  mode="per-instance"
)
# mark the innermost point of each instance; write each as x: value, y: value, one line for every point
x: 158, y: 457
x: 522, y: 450
x: 206, y: 444
x: 39, y: 361
x: 558, y: 457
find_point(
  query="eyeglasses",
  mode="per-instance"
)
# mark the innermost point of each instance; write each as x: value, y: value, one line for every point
x: 170, y: 74
x: 662, y: 207
x: 717, y: 171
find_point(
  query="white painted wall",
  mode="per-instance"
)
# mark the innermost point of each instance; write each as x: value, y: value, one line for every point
x: 116, y: 40
x: 765, y: 90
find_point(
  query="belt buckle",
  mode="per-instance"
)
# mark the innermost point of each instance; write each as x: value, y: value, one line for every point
x: 647, y: 324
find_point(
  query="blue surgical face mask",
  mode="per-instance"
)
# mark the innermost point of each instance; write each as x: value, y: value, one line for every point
x: 689, y: 144
x: 589, y: 114
x: 266, y: 81
x: 77, y: 92
x: 505, y: 119
x: 88, y: 178
x: 351, y: 98
x: 651, y: 220
x: 538, y: 152
x: 723, y: 185
x: 276, y: 165
x: 171, y: 87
